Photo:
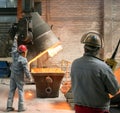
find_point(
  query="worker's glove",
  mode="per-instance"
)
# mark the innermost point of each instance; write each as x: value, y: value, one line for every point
x: 16, y: 37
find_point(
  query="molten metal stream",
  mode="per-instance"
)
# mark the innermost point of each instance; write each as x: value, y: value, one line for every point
x: 41, y: 54
x: 46, y: 70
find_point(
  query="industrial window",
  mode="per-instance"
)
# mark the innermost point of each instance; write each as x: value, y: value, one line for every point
x: 8, y: 7
x: 37, y: 7
x: 8, y: 3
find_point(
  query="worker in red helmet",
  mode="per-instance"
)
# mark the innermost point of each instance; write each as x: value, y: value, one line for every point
x: 19, y: 67
x: 23, y: 50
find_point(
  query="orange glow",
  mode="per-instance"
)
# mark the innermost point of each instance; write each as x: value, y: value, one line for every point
x: 46, y: 70
x: 61, y: 105
x: 117, y: 74
x: 65, y: 87
x: 44, y: 52
x: 29, y: 94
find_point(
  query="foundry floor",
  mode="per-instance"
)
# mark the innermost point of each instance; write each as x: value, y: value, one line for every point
x: 32, y: 103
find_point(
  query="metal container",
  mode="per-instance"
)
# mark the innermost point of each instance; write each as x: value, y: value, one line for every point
x: 43, y: 36
x: 47, y: 81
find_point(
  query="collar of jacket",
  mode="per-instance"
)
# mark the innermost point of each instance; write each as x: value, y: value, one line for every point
x: 91, y: 55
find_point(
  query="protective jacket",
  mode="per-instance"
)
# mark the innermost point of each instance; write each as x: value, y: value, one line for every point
x: 19, y: 65
x: 92, y: 82
x: 18, y: 69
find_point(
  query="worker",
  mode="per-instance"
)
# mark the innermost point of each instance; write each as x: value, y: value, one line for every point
x: 18, y: 69
x: 92, y: 79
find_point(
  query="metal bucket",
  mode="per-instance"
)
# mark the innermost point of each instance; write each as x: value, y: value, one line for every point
x: 43, y: 37
x: 47, y: 83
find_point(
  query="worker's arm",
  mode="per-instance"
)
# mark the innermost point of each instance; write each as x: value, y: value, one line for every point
x: 15, y: 45
x: 110, y: 82
x: 26, y: 69
x: 111, y: 96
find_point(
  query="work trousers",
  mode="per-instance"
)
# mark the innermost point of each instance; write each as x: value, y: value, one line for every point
x: 84, y: 109
x: 16, y: 82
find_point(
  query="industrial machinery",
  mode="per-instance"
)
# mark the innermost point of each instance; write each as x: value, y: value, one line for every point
x: 35, y: 33
x: 42, y: 43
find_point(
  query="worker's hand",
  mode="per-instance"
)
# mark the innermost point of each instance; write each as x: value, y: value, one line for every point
x: 16, y: 36
x: 30, y: 79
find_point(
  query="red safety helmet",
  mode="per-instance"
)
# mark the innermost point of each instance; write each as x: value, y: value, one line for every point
x: 22, y: 48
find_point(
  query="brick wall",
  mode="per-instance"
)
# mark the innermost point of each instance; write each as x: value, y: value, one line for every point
x: 111, y: 28
x: 70, y: 19
x: 19, y: 9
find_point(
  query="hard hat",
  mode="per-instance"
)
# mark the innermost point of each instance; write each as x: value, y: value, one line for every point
x: 92, y: 39
x: 22, y: 48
